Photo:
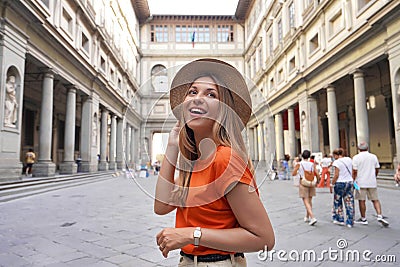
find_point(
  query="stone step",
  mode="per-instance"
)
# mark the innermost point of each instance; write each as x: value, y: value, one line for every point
x: 32, y: 186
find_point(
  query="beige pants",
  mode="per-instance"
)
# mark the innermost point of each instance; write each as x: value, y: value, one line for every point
x: 232, y: 262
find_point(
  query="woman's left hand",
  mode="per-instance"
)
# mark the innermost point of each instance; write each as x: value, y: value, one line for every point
x: 173, y: 238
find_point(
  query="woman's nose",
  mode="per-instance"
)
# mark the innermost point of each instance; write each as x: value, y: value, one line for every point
x: 198, y: 99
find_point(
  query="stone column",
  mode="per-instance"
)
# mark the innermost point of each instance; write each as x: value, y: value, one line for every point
x: 120, y: 147
x: 113, y: 142
x: 128, y: 144
x: 314, y: 124
x: 251, y: 143
x: 255, y: 144
x: 132, y: 161
x: 333, y: 122
x: 270, y: 141
x: 103, y: 166
x: 279, y: 137
x: 69, y: 166
x: 89, y: 131
x: 261, y: 145
x: 45, y: 166
x: 394, y: 65
x: 362, y: 129
x: 292, y: 133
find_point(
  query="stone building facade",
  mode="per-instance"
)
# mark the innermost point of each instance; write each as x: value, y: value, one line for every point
x: 76, y: 67
x: 88, y: 80
x: 328, y: 76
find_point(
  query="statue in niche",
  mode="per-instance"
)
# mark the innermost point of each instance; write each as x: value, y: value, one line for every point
x: 304, y: 126
x: 10, y: 103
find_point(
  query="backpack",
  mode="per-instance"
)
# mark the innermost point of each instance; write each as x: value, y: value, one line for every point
x: 309, y: 179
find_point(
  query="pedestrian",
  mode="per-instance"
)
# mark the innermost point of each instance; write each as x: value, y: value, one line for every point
x: 342, y: 183
x: 397, y: 175
x: 219, y: 214
x: 326, y: 164
x: 156, y: 167
x: 312, y: 158
x: 306, y: 193
x: 296, y: 178
x: 30, y: 160
x: 365, y: 170
x: 285, y: 167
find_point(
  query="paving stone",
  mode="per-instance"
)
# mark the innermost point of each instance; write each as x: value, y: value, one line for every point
x: 111, y: 223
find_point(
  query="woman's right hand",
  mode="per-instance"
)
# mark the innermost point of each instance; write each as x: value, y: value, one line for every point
x: 173, y: 138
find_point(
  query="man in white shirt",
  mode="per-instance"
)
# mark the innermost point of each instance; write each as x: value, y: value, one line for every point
x: 365, y: 170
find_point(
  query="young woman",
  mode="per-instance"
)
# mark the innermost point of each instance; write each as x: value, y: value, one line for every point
x: 342, y: 183
x: 218, y: 211
x: 306, y: 193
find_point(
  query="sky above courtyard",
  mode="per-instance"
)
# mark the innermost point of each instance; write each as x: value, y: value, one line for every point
x: 192, y: 7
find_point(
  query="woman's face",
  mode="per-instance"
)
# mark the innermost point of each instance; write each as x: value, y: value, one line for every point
x: 201, y: 104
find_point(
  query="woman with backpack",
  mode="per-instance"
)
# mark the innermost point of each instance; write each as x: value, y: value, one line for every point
x: 306, y: 187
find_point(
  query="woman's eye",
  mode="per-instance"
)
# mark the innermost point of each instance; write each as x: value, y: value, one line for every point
x: 212, y: 95
x: 192, y: 92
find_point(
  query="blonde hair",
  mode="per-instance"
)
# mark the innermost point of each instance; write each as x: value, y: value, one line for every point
x: 226, y: 132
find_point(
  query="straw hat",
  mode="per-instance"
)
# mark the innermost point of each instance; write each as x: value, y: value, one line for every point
x: 228, y: 77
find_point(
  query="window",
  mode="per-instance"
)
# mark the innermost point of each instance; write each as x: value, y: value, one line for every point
x: 112, y: 75
x: 159, y: 33
x: 225, y: 33
x: 363, y: 3
x: 182, y: 34
x: 248, y: 67
x: 260, y: 57
x: 271, y: 44
x: 292, y: 64
x: 280, y: 34
x: 254, y: 65
x: 159, y: 78
x: 119, y: 84
x: 292, y: 15
x: 271, y: 84
x: 314, y: 44
x: 46, y: 3
x: 67, y: 22
x: 280, y: 75
x: 202, y: 34
x: 336, y: 23
x: 85, y: 44
x: 102, y: 64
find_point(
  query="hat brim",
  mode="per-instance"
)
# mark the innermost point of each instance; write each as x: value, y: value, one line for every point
x: 228, y: 77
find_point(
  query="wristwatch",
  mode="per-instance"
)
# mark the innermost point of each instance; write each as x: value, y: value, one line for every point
x: 197, y: 236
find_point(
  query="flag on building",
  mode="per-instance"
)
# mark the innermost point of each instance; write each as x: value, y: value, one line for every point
x: 193, y: 37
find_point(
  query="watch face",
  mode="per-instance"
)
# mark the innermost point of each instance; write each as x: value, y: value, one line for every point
x: 197, y: 233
